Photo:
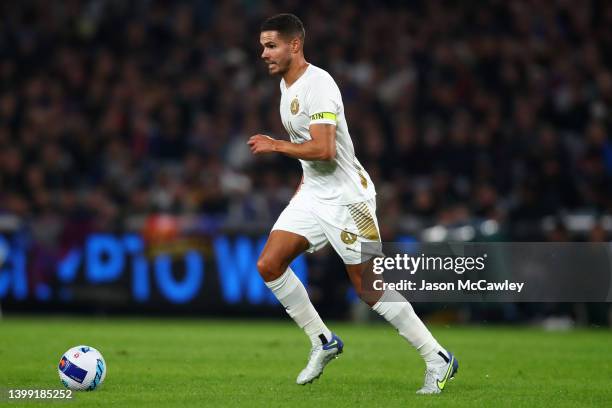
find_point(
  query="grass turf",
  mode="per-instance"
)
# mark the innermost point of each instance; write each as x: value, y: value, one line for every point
x: 184, y: 363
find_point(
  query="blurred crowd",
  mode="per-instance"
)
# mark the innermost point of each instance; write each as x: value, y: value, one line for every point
x: 494, y: 110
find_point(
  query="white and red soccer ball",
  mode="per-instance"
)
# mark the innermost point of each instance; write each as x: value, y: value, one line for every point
x: 82, y: 368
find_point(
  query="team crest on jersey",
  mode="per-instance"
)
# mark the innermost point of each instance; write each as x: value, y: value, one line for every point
x: 347, y: 237
x: 295, y: 106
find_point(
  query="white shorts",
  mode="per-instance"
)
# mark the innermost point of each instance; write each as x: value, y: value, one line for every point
x: 346, y: 227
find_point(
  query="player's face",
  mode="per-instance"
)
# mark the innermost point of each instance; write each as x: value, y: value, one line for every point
x: 276, y: 52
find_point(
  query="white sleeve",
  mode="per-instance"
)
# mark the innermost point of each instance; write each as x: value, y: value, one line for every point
x: 323, y: 101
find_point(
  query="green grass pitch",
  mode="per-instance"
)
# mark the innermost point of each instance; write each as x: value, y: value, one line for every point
x: 218, y: 363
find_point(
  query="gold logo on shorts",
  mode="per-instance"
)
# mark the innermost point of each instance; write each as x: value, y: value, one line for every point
x: 364, y: 221
x: 348, y: 238
x: 295, y: 106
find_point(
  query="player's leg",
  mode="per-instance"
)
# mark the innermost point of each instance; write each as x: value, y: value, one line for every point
x: 391, y: 305
x: 358, y: 225
x: 395, y: 309
x: 280, y: 250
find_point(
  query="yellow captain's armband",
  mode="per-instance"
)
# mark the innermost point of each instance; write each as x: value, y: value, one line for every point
x: 323, y: 115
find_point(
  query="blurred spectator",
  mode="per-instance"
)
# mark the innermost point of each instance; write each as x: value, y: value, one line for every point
x: 491, y: 110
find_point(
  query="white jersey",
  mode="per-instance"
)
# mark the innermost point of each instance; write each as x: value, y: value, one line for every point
x: 315, y: 98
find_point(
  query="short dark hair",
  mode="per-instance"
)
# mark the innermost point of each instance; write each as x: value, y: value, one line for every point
x: 288, y: 25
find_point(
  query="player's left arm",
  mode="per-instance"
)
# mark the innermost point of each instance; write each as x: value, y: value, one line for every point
x: 322, y: 145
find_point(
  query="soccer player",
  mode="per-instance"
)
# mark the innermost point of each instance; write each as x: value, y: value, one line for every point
x: 335, y: 204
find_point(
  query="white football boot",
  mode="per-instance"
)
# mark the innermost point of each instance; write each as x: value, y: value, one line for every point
x: 319, y: 357
x: 437, y: 375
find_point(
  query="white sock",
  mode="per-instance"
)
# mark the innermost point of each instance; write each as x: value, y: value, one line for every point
x: 399, y: 312
x: 292, y: 294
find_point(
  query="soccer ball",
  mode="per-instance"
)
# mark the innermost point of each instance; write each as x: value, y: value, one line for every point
x: 82, y: 368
